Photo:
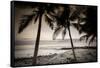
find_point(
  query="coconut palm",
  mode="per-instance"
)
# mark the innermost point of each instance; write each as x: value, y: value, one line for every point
x: 89, y: 27
x: 38, y: 11
x: 64, y: 22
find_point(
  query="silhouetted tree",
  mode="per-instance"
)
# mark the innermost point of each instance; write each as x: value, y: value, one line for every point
x: 89, y: 27
x: 64, y: 22
x: 38, y: 11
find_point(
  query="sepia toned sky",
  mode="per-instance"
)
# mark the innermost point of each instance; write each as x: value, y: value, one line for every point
x: 30, y: 32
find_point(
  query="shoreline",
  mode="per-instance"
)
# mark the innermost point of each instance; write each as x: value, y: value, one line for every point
x: 83, y: 55
x: 61, y: 49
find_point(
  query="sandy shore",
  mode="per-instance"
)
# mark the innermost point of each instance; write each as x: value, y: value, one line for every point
x: 83, y: 55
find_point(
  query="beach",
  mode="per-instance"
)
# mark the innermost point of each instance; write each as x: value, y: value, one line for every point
x: 83, y: 55
x: 56, y: 52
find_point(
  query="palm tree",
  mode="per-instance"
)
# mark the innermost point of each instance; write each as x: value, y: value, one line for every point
x: 38, y: 11
x: 90, y: 25
x: 64, y: 22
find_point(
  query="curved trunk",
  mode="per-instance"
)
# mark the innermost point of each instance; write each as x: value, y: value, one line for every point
x: 71, y: 43
x: 37, y: 41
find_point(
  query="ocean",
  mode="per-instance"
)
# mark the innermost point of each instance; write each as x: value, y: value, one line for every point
x: 46, y: 47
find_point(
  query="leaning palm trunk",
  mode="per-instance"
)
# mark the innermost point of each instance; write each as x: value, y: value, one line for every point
x: 71, y: 41
x: 37, y: 41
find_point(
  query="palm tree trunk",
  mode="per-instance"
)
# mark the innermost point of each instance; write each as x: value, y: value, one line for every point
x: 71, y: 42
x: 37, y: 41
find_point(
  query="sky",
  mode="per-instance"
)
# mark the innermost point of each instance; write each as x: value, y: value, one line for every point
x: 30, y: 32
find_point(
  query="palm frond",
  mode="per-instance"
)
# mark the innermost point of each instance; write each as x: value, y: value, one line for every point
x: 49, y: 21
x: 92, y: 39
x: 50, y: 9
x: 87, y: 38
x: 63, y: 33
x: 83, y: 37
x: 36, y: 18
x: 25, y: 22
x: 56, y: 32
x: 75, y: 25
